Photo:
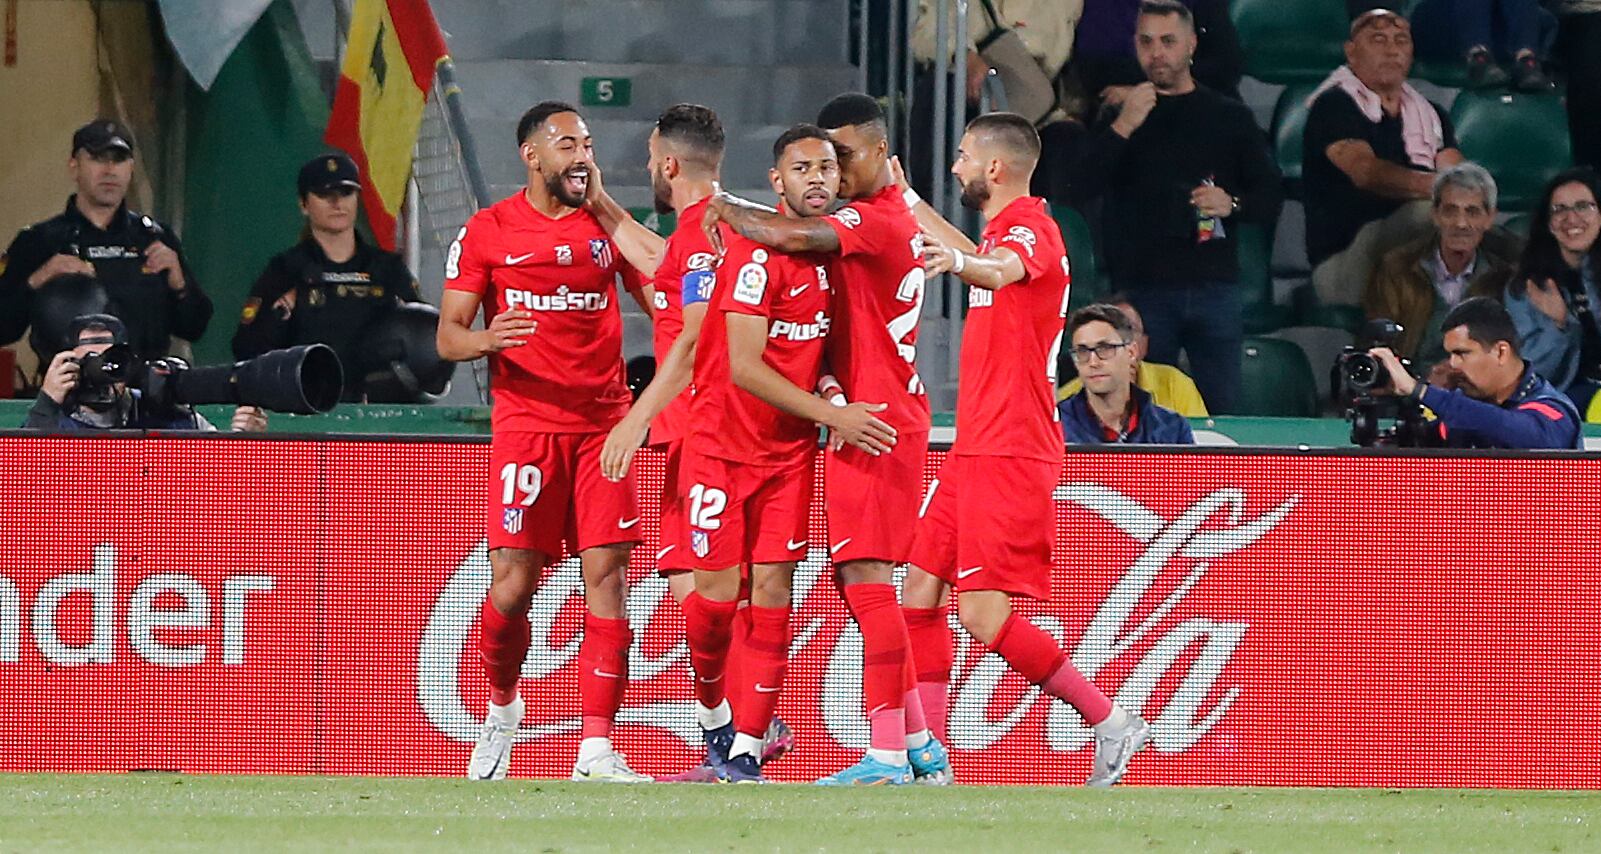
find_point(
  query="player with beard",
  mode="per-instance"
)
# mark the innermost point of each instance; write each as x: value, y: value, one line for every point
x: 686, y: 153
x: 543, y: 266
x: 872, y: 495
x: 753, y: 437
x: 988, y: 519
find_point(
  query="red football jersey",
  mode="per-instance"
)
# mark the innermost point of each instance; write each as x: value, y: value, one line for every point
x: 684, y: 278
x: 1007, y: 404
x: 569, y: 377
x: 874, y: 347
x: 793, y: 293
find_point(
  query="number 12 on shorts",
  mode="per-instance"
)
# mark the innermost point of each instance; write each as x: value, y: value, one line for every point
x: 525, y: 479
x: 706, y: 503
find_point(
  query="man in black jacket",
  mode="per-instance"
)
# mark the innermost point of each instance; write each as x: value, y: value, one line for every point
x: 1181, y: 167
x: 136, y: 260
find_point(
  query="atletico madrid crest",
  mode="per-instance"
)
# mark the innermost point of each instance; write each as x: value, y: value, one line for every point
x: 512, y: 520
x: 600, y: 251
x: 700, y: 543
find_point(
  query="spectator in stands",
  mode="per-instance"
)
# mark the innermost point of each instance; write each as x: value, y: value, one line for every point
x: 66, y: 403
x: 1498, y: 400
x: 137, y: 261
x: 1483, y: 34
x: 1111, y: 408
x: 1556, y: 295
x: 1045, y: 28
x: 1181, y: 167
x: 1371, y: 146
x: 1169, y: 387
x: 1578, y: 51
x: 1108, y: 68
x: 1418, y: 283
x: 330, y: 288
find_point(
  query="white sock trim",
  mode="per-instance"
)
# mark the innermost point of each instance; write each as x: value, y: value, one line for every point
x: 723, y: 715
x: 748, y: 745
x: 593, y: 748
x: 888, y: 757
x: 918, y: 740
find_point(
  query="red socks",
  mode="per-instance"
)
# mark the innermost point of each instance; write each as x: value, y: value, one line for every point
x: 766, y: 660
x: 933, y: 649
x: 503, y: 645
x: 1032, y: 652
x: 886, y: 678
x: 709, y: 625
x: 602, y: 672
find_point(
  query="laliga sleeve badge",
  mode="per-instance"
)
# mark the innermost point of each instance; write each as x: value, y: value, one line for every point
x: 751, y: 284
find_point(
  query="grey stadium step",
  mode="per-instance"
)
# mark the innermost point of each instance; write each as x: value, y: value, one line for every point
x: 741, y: 94
x: 736, y: 32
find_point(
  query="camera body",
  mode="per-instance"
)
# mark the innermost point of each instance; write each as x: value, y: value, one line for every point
x: 1363, y: 386
x: 304, y: 380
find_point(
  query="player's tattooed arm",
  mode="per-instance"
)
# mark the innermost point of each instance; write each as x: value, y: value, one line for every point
x: 854, y: 423
x: 641, y: 247
x: 991, y: 271
x: 459, y: 342
x: 929, y: 219
x: 767, y: 226
x: 672, y: 377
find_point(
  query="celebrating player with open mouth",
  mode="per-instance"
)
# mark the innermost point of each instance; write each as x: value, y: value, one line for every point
x: 873, y: 494
x: 988, y: 520
x: 546, y: 263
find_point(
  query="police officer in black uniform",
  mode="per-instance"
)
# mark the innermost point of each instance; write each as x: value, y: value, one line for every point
x: 137, y: 261
x: 332, y: 286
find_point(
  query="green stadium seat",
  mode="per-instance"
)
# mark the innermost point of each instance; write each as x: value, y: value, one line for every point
x: 662, y: 224
x: 1289, y: 122
x: 1347, y: 317
x: 1254, y: 245
x: 1087, y: 282
x: 1522, y: 139
x: 1291, y: 41
x: 1278, y: 380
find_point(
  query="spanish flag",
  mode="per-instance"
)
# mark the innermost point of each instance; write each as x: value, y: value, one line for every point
x: 390, y: 56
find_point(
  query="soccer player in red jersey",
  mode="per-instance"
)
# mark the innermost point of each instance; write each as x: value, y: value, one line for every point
x: 872, y: 496
x: 748, y: 460
x: 543, y: 265
x: 988, y: 522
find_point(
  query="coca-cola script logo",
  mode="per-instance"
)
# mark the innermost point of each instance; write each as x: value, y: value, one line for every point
x: 1212, y: 527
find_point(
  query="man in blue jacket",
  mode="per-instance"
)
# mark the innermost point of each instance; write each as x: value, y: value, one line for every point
x: 1496, y: 400
x: 1111, y: 408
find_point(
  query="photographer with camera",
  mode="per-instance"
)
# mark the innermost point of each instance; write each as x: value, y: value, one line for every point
x: 1498, y: 401
x: 136, y: 261
x: 79, y: 395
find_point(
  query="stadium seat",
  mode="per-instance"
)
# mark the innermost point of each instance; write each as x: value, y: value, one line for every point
x: 662, y: 224
x: 1086, y: 268
x: 1289, y: 121
x: 1521, y: 139
x: 1254, y: 246
x: 1290, y: 41
x: 1277, y: 380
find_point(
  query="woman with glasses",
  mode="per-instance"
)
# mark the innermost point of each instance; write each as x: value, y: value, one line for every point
x: 332, y: 286
x: 1555, y: 299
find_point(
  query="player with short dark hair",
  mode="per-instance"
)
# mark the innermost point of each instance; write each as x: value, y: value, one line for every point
x: 748, y: 461
x: 544, y: 265
x: 872, y: 493
x: 988, y: 520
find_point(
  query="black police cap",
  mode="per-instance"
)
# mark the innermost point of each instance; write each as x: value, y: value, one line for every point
x: 328, y: 171
x: 102, y: 135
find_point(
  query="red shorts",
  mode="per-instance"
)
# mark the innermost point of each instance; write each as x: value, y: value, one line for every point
x: 546, y: 487
x: 738, y: 513
x: 988, y: 524
x: 872, y: 501
x: 672, y: 550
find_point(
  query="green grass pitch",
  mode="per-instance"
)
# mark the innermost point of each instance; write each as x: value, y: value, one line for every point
x: 172, y: 813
